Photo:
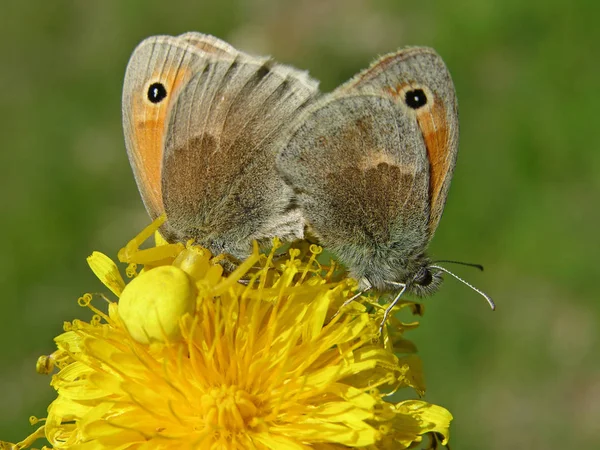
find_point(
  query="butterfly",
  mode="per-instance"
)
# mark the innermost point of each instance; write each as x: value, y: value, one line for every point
x: 203, y: 123
x: 371, y: 165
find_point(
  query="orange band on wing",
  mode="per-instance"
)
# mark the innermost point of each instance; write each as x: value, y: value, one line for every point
x: 433, y: 123
x: 434, y: 126
x: 149, y: 134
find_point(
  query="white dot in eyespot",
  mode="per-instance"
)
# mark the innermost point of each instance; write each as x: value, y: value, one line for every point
x: 156, y: 92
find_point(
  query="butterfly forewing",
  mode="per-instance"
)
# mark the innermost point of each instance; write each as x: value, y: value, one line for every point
x: 158, y: 68
x: 403, y: 74
x: 220, y: 185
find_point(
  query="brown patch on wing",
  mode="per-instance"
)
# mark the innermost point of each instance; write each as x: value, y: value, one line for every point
x: 149, y: 133
x: 202, y: 189
x: 186, y: 179
x: 367, y: 202
x: 434, y: 127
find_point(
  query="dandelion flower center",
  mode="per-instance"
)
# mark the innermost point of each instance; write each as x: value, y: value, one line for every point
x: 229, y: 407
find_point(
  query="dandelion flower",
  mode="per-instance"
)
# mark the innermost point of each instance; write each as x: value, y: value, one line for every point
x: 192, y: 358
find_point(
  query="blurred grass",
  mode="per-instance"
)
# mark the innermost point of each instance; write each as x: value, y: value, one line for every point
x: 524, y: 201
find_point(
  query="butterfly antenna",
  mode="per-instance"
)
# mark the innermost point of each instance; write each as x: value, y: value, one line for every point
x: 388, y: 310
x: 480, y: 292
x: 477, y: 266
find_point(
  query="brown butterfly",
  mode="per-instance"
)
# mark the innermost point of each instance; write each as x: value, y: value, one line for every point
x: 371, y: 165
x: 203, y: 123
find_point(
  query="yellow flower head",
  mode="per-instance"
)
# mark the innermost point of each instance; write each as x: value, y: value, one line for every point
x: 190, y: 358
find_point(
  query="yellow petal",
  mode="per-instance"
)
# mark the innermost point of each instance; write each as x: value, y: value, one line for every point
x: 107, y: 272
x: 434, y: 418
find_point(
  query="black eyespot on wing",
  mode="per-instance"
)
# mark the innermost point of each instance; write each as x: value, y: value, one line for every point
x: 415, y: 98
x: 157, y: 92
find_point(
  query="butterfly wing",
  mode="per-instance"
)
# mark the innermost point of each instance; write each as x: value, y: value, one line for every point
x: 158, y: 68
x: 210, y: 44
x: 220, y: 186
x: 360, y: 196
x: 360, y: 162
x: 402, y: 73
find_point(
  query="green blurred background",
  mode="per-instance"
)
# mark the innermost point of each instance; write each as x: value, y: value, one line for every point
x: 524, y: 201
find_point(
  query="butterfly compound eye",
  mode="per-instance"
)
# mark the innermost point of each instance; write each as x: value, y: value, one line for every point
x: 424, y: 277
x: 415, y: 98
x: 157, y: 92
